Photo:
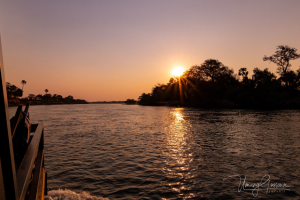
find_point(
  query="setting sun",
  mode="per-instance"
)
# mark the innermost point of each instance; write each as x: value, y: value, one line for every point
x: 177, y: 71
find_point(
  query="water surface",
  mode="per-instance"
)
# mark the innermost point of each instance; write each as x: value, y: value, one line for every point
x: 135, y: 152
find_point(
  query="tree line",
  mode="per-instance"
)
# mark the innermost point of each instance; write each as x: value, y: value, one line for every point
x: 212, y: 84
x: 14, y: 95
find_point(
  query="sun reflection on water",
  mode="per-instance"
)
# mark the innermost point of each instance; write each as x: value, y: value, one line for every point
x: 179, y: 166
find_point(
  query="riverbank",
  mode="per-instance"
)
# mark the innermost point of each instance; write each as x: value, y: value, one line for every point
x: 225, y: 104
x: 106, y: 102
x: 16, y: 102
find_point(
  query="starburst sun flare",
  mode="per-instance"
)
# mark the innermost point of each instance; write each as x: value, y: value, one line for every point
x: 177, y: 71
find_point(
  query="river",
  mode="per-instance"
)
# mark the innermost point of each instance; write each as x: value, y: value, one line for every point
x: 142, y: 152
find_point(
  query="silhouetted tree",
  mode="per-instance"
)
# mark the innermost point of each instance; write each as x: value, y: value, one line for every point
x: 8, y: 90
x: 214, y: 85
x: 18, y: 93
x: 39, y: 97
x: 213, y: 70
x: 47, y: 97
x: 13, y: 91
x: 23, y: 83
x: 282, y: 58
x: 54, y: 97
x: 172, y: 80
x: 130, y: 101
x: 291, y: 79
x: 195, y: 74
x: 244, y: 73
x: 46, y: 90
x: 31, y: 96
x: 262, y: 77
x: 145, y: 99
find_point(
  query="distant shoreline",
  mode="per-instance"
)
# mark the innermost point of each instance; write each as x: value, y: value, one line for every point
x: 107, y: 102
x: 12, y: 103
x: 16, y: 103
x: 206, y: 106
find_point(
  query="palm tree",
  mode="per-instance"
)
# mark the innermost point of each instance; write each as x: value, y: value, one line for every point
x: 23, y: 83
x: 46, y: 91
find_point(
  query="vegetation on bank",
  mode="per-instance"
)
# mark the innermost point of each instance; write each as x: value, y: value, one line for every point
x: 14, y: 95
x: 212, y: 85
x: 107, y: 102
x: 130, y: 101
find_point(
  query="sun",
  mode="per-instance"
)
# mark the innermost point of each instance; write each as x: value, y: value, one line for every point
x: 177, y: 71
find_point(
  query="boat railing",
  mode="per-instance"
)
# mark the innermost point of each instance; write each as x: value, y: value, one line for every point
x: 27, y: 180
x: 32, y: 171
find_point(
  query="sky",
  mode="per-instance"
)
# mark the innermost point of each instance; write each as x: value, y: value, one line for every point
x: 101, y: 50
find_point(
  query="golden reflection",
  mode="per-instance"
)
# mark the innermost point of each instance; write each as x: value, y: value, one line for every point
x: 179, y: 163
x: 178, y: 116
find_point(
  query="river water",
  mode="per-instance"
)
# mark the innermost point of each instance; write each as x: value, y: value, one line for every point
x: 137, y: 152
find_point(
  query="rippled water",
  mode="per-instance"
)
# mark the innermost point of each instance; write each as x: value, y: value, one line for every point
x: 136, y: 152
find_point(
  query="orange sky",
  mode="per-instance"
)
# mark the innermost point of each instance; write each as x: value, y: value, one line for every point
x: 115, y: 50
